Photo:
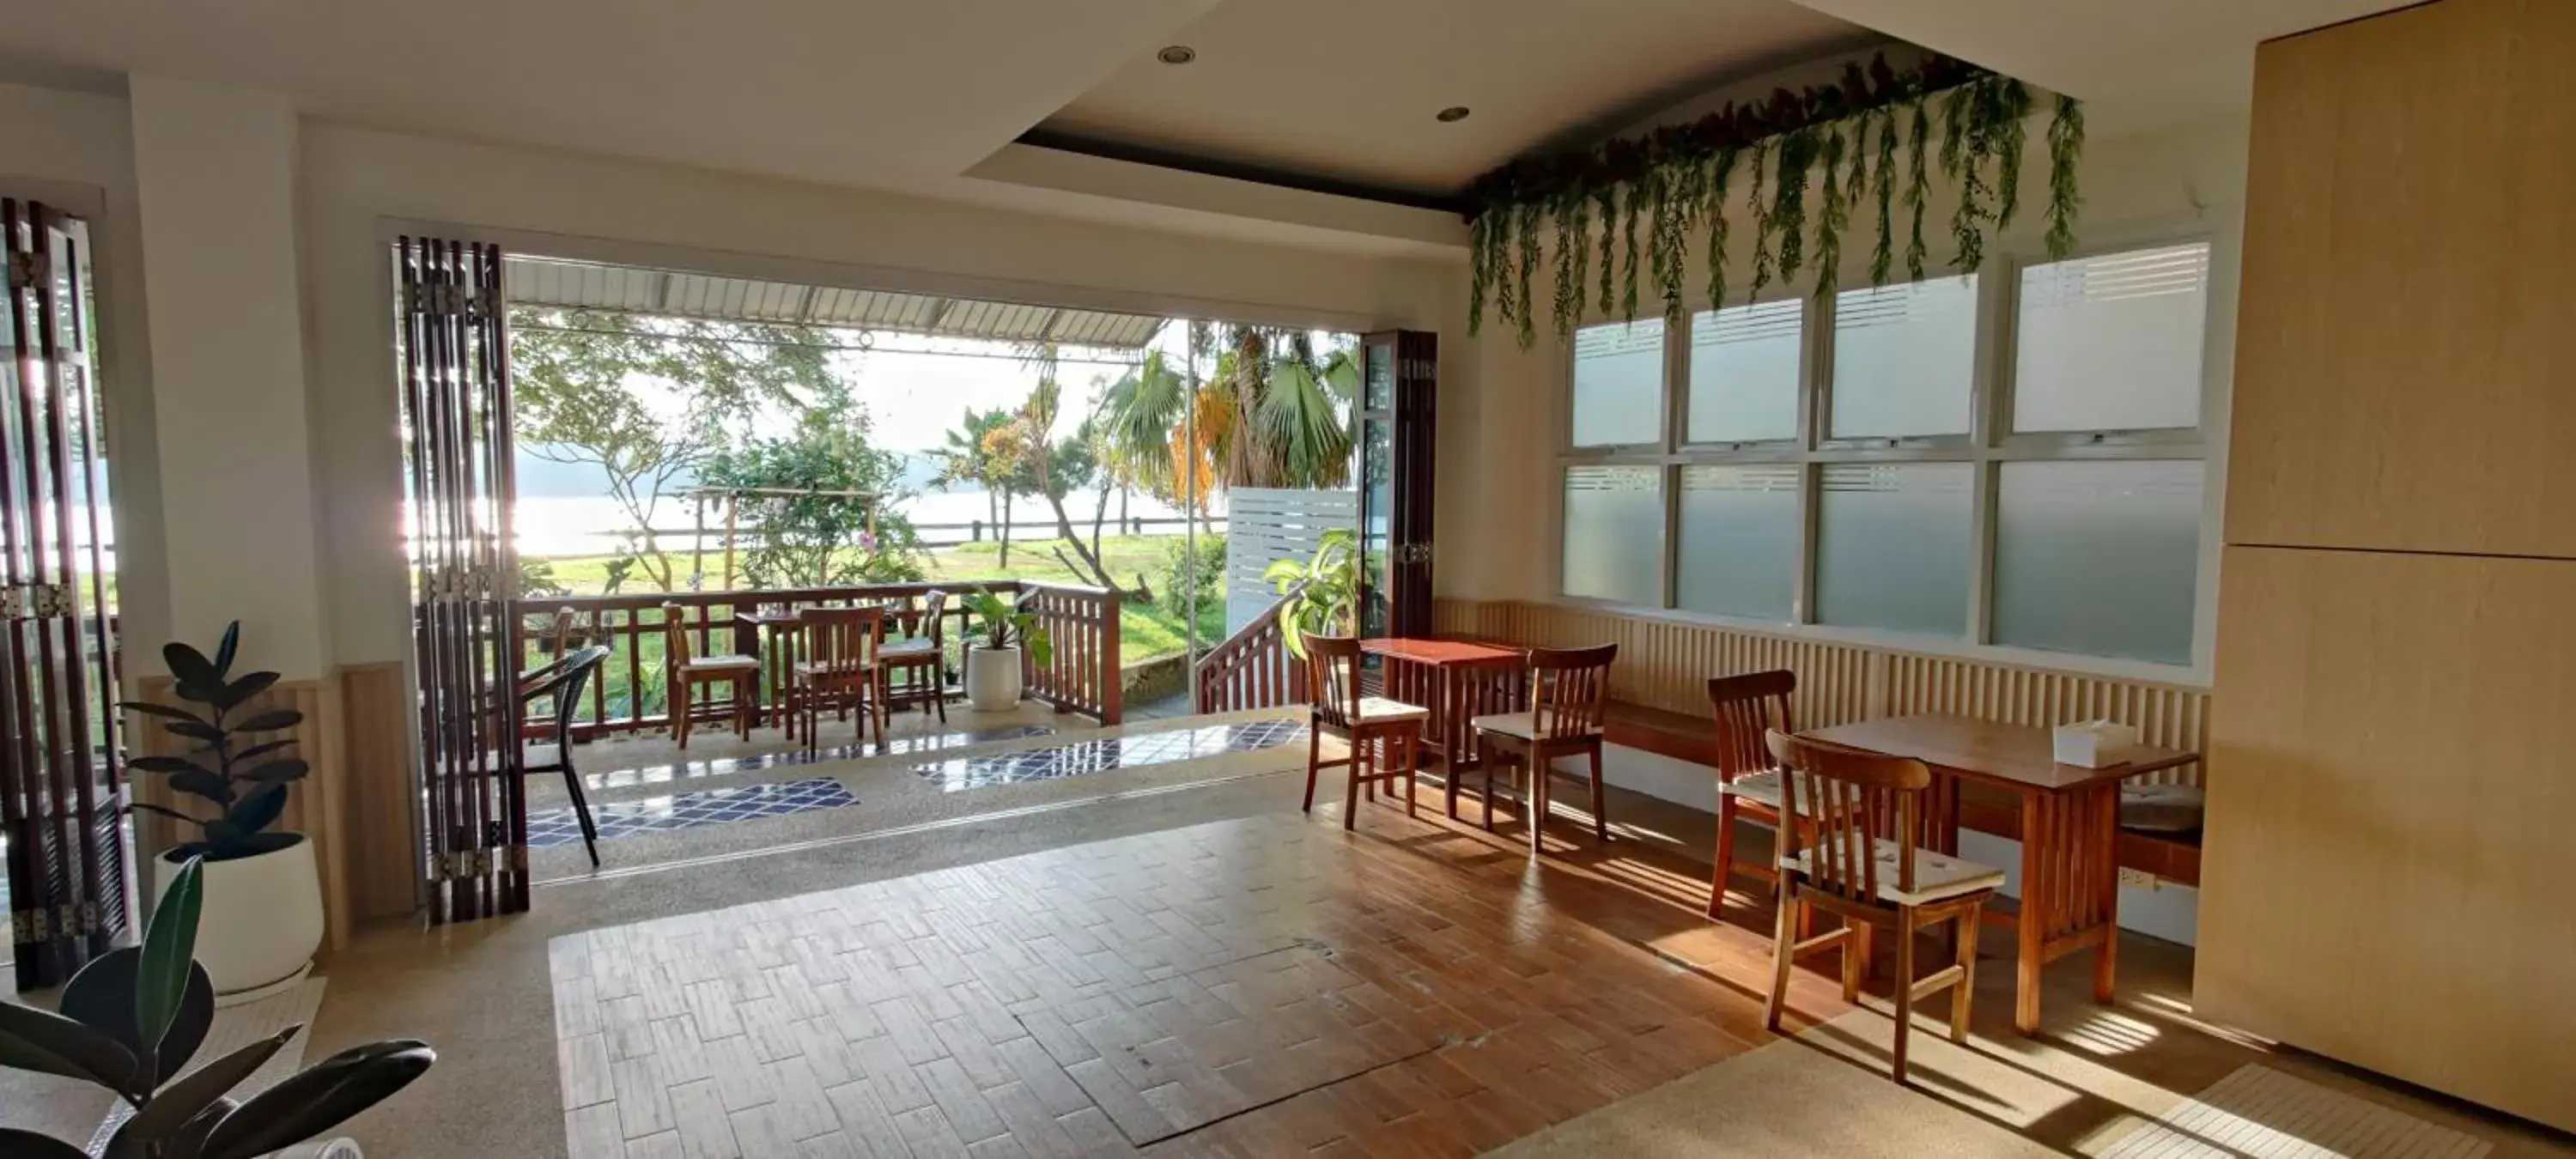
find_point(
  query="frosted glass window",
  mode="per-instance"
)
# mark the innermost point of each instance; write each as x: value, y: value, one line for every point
x: 2112, y: 343
x: 1892, y: 546
x: 1903, y: 359
x: 1739, y: 533
x: 1614, y: 534
x: 2099, y: 557
x: 1619, y: 384
x: 1744, y: 373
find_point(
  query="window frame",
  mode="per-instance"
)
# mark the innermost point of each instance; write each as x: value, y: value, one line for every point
x: 1988, y: 445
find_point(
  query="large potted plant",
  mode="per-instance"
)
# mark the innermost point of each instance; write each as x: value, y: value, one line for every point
x: 132, y: 1020
x: 1322, y: 594
x: 1001, y: 629
x: 263, y: 890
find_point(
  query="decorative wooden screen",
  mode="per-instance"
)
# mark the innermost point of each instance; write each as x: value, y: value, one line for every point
x: 1398, y: 449
x: 60, y: 793
x: 454, y: 353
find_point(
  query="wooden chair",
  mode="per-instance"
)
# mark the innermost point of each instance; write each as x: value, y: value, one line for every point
x: 559, y: 637
x: 1381, y: 732
x: 1748, y: 784
x: 921, y: 658
x: 571, y: 674
x: 842, y: 669
x: 1864, y: 866
x: 1568, y: 687
x: 685, y: 671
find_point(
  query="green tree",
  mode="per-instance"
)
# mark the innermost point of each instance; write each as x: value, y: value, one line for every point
x: 819, y: 503
x: 968, y: 458
x: 648, y: 399
x: 1273, y: 413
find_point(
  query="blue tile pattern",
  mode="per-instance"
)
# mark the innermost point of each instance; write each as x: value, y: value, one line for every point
x: 689, y: 770
x: 1095, y: 756
x: 689, y: 810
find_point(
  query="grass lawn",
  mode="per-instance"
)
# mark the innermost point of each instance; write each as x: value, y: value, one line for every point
x: 1145, y: 630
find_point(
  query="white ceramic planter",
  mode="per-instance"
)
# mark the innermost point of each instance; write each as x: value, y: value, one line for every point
x: 261, y: 919
x: 993, y: 678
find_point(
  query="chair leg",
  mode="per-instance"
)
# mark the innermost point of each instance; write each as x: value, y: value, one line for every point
x: 1784, y: 944
x: 1491, y: 759
x: 1600, y: 802
x: 1412, y: 769
x: 1855, y: 949
x: 742, y: 692
x: 939, y: 693
x: 1359, y: 774
x: 1725, y: 852
x: 877, y: 704
x: 1449, y: 787
x: 581, y: 809
x: 1960, y: 994
x: 1369, y: 786
x: 1314, y: 763
x: 1535, y: 801
x: 1904, y: 984
x: 679, y: 709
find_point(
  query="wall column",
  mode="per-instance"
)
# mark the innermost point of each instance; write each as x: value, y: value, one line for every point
x: 215, y: 176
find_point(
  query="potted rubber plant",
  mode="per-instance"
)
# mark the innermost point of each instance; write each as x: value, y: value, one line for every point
x: 1001, y: 628
x: 263, y: 890
x: 1322, y: 594
x: 130, y: 1021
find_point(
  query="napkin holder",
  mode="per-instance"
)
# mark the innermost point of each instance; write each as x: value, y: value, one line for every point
x: 2095, y: 744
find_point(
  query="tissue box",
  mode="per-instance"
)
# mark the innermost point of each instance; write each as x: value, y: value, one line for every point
x: 2095, y: 744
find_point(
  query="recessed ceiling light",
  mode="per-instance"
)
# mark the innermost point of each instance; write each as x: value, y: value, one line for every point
x: 1453, y: 113
x: 1177, y: 54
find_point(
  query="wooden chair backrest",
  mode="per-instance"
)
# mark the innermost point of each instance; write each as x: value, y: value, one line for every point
x: 561, y: 636
x: 675, y: 638
x: 934, y: 605
x: 1748, y: 707
x: 1333, y: 674
x: 845, y: 640
x: 1852, y: 798
x: 1568, y: 687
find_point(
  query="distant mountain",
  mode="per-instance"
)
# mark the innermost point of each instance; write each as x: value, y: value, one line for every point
x: 540, y: 478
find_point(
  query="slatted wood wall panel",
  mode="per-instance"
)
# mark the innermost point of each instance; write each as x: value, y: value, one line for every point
x: 1666, y: 664
x: 383, y: 813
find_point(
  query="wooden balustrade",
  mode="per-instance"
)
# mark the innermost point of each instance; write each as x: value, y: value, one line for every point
x: 1253, y: 668
x: 628, y: 692
x: 1083, y: 675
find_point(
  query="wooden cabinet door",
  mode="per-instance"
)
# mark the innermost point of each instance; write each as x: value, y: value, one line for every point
x: 2406, y: 338
x: 2392, y: 787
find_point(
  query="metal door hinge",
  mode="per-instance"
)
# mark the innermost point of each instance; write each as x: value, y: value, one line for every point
x: 30, y: 271
x: 35, y: 601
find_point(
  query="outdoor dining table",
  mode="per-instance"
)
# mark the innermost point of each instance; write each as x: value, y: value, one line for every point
x: 1456, y: 680
x: 777, y: 628
x: 2070, y: 828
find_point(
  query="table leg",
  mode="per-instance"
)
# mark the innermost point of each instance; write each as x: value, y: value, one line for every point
x: 2102, y: 837
x: 2037, y: 882
x: 1534, y: 801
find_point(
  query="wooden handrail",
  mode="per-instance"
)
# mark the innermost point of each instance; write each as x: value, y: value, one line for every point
x: 1253, y: 668
x: 1083, y: 622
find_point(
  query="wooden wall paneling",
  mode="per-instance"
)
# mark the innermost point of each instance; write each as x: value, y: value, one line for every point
x: 1666, y: 664
x: 383, y: 813
x: 2406, y: 379
x: 316, y: 806
x: 2384, y: 869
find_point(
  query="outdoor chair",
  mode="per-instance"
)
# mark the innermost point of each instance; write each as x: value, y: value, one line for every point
x: 687, y: 671
x: 1385, y: 736
x: 564, y: 687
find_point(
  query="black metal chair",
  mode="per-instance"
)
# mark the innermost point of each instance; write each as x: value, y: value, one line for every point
x: 569, y: 675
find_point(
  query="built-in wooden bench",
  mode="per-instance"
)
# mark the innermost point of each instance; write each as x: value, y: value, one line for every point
x: 1681, y: 736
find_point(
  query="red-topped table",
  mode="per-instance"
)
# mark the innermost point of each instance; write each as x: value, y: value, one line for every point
x: 1458, y: 681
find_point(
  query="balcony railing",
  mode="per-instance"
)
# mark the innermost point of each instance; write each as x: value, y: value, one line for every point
x: 1251, y: 669
x: 630, y: 692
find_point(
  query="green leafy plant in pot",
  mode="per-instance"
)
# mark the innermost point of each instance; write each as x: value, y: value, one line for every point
x: 1002, y: 627
x: 1322, y: 593
x: 263, y: 889
x: 132, y: 1020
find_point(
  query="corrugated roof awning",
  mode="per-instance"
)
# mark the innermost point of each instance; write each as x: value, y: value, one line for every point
x: 534, y: 281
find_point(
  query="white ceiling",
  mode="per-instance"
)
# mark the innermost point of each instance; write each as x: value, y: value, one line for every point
x: 1347, y: 89
x: 833, y: 90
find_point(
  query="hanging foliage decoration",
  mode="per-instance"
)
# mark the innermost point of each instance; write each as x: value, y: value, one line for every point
x: 1647, y: 195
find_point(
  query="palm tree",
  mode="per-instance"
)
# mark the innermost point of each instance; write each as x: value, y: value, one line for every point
x: 1273, y: 414
x: 968, y: 458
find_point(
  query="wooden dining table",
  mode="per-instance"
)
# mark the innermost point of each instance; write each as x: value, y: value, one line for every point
x: 1458, y: 681
x: 2070, y: 830
x: 777, y: 628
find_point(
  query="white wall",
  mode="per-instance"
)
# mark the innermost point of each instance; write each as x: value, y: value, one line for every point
x: 76, y: 149
x: 360, y: 186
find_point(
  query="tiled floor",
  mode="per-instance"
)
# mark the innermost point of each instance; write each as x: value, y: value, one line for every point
x: 659, y: 772
x: 689, y: 810
x: 1258, y: 986
x: 1127, y: 752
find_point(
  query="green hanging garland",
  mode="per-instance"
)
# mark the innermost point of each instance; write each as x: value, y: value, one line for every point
x: 1646, y: 194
